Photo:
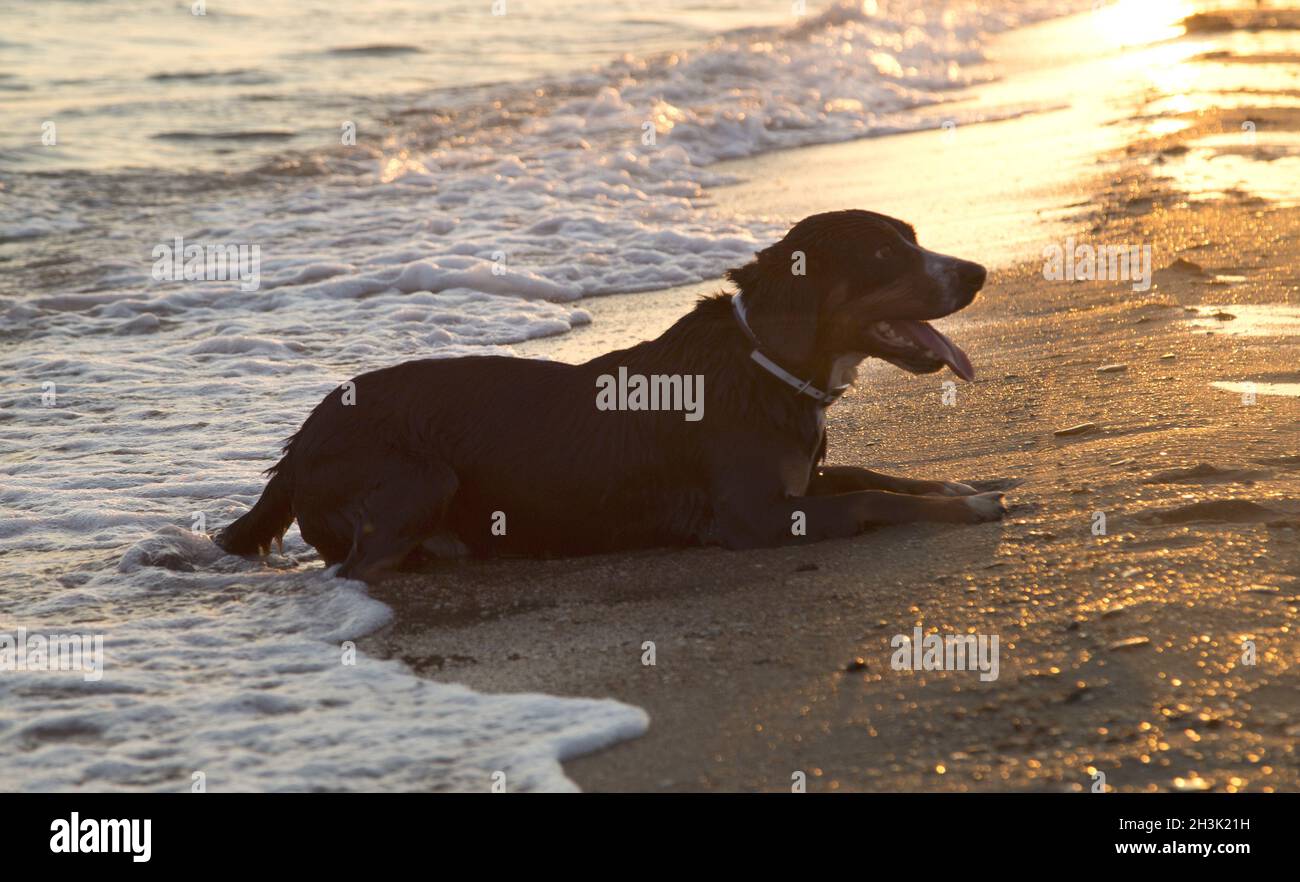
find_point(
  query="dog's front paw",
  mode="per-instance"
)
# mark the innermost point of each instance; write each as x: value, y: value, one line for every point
x: 952, y: 488
x: 985, y: 507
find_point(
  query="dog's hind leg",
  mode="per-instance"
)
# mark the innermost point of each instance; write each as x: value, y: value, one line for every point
x: 397, y: 513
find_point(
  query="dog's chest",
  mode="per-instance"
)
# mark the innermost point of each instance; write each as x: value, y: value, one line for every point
x: 812, y: 450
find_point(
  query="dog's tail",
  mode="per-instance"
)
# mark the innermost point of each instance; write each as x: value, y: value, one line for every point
x: 264, y: 522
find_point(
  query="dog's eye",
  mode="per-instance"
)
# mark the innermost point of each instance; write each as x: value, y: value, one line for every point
x: 884, y: 252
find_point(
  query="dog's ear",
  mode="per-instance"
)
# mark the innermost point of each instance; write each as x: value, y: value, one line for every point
x: 782, y: 307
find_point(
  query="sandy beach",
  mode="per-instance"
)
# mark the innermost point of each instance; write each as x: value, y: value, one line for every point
x: 1145, y: 588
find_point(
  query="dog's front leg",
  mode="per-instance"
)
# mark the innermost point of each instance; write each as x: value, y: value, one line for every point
x: 839, y: 516
x: 759, y: 499
x: 845, y: 479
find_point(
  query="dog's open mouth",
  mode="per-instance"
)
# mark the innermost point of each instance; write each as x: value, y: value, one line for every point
x: 917, y: 347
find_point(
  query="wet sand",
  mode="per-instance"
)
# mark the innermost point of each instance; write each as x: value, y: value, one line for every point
x: 1120, y: 652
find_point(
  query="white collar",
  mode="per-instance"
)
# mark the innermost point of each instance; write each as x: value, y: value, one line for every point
x: 803, y: 387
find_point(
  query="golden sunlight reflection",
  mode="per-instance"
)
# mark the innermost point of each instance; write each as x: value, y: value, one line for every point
x: 1168, y: 69
x: 1138, y: 22
x: 400, y: 166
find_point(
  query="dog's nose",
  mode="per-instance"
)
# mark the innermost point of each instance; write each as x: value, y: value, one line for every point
x: 971, y: 275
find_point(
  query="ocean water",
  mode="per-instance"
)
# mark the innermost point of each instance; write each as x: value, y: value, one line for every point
x: 500, y: 167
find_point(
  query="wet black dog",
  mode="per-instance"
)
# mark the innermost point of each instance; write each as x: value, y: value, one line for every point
x: 711, y: 433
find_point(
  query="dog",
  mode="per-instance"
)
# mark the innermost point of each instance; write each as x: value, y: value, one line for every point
x: 521, y: 457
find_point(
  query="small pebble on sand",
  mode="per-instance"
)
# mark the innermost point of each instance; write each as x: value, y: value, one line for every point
x: 1080, y: 429
x: 1112, y: 368
x: 1129, y: 643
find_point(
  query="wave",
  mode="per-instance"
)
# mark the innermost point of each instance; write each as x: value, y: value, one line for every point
x: 594, y: 183
x: 238, y: 75
x: 375, y: 50
x: 225, y: 135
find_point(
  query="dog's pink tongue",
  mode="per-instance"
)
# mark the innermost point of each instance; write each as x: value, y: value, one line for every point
x: 940, y: 345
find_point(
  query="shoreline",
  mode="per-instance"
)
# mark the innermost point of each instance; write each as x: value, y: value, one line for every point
x: 1121, y: 652
x: 1028, y: 195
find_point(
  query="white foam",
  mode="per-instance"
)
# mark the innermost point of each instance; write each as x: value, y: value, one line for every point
x: 242, y: 677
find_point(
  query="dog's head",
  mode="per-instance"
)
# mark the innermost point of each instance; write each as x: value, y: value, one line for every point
x: 857, y: 283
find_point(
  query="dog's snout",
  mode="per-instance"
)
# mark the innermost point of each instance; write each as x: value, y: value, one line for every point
x: 971, y: 275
